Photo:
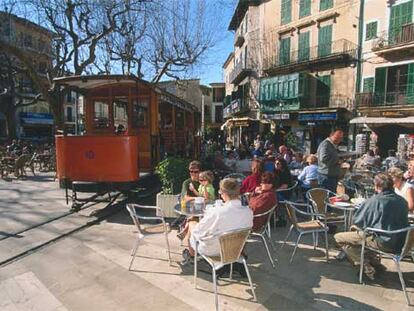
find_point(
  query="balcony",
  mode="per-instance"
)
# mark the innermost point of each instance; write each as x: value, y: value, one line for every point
x: 397, y: 43
x: 340, y: 53
x: 240, y: 71
x: 329, y: 101
x: 377, y: 100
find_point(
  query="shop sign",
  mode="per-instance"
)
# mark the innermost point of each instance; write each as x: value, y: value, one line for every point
x: 241, y: 123
x: 393, y: 114
x: 235, y: 105
x: 36, y: 118
x: 317, y: 116
x: 276, y: 116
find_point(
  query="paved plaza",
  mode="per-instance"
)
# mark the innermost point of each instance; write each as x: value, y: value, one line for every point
x: 88, y: 270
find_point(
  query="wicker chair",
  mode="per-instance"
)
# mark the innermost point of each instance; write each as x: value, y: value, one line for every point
x: 397, y: 257
x: 261, y: 232
x: 20, y: 165
x: 318, y: 198
x: 231, y: 247
x: 162, y: 227
x: 313, y: 226
x: 281, y: 191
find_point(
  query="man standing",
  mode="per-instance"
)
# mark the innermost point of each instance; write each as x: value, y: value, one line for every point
x: 386, y: 211
x: 328, y: 160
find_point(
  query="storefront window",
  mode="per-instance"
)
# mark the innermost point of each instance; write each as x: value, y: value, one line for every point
x: 101, y: 114
x: 140, y: 113
x: 120, y: 114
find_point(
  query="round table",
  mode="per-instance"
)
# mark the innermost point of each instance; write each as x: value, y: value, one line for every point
x: 189, y: 210
x: 348, y: 209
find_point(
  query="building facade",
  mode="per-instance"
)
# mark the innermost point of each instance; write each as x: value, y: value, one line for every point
x: 35, y: 121
x: 302, y: 68
x: 385, y: 96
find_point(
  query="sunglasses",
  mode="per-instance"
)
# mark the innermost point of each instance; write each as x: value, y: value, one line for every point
x: 194, y: 172
x: 202, y: 180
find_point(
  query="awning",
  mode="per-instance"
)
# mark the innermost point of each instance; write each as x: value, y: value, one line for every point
x: 36, y: 118
x: 236, y: 122
x: 382, y: 120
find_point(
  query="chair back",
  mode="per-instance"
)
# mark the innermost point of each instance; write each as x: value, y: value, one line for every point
x: 317, y: 197
x: 266, y: 216
x: 135, y: 218
x: 288, y: 191
x: 409, y: 242
x: 232, y: 244
x: 291, y: 213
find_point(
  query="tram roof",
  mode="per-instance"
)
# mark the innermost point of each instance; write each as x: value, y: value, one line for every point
x: 84, y: 83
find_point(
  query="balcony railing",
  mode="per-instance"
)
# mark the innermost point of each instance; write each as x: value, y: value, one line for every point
x: 384, y: 99
x: 240, y: 71
x: 330, y: 101
x: 320, y: 54
x: 395, y: 37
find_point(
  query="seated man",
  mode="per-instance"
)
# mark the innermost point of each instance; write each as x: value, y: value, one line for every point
x: 194, y: 169
x: 387, y: 211
x: 231, y: 215
x: 252, y: 181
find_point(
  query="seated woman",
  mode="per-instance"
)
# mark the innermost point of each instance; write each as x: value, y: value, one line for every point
x: 310, y: 173
x: 252, y: 181
x: 206, y: 189
x: 231, y: 215
x: 401, y: 187
x: 263, y: 199
x: 283, y: 178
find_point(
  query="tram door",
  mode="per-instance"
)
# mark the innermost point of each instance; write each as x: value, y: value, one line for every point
x: 141, y: 124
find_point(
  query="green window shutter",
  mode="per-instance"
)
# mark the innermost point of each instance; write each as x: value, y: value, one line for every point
x: 303, y: 54
x: 284, y: 51
x: 305, y: 8
x: 325, y: 4
x: 410, y: 84
x: 323, y: 90
x: 371, y: 31
x: 325, y: 41
x: 380, y: 84
x: 286, y: 11
x: 368, y: 86
x: 400, y: 15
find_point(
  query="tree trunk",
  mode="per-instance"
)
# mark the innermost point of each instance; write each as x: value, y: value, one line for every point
x: 11, y: 122
x: 56, y: 105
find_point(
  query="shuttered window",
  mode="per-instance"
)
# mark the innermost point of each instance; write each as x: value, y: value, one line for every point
x: 380, y: 84
x: 323, y: 91
x: 368, y: 86
x: 304, y: 8
x: 286, y: 11
x: 303, y: 54
x: 325, y: 41
x: 400, y: 15
x: 284, y: 51
x: 410, y: 84
x: 325, y: 4
x: 371, y: 31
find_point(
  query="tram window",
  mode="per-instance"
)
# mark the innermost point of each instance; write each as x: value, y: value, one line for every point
x: 140, y: 113
x: 179, y: 120
x: 101, y: 114
x: 120, y: 114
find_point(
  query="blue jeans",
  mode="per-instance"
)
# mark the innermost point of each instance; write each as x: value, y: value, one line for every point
x: 328, y: 182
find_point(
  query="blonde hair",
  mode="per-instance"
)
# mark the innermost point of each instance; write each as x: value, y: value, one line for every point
x: 312, y: 159
x: 231, y: 187
x: 206, y: 175
x: 395, y: 172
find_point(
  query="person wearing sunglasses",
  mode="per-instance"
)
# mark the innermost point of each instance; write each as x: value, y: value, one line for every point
x: 194, y: 169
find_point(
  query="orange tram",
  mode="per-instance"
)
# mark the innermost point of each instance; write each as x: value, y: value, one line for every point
x: 125, y: 125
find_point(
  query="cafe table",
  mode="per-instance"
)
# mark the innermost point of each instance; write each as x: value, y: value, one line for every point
x: 348, y: 208
x: 190, y: 210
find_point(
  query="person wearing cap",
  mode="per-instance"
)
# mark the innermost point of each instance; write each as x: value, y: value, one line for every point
x: 232, y: 215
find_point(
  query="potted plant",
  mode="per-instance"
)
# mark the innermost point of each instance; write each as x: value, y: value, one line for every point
x: 172, y: 171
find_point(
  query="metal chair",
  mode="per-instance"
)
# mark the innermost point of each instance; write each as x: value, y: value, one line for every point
x: 396, y: 257
x: 261, y: 232
x: 281, y: 191
x: 318, y: 198
x: 306, y: 227
x: 162, y: 227
x: 231, y: 246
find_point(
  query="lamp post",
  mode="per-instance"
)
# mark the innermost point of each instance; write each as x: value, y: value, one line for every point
x: 281, y: 113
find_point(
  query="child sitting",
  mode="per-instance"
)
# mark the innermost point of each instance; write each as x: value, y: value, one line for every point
x: 206, y: 189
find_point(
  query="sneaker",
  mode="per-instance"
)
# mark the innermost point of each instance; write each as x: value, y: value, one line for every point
x: 376, y: 263
x: 341, y: 256
x: 369, y: 271
x: 181, y: 235
x: 187, y: 259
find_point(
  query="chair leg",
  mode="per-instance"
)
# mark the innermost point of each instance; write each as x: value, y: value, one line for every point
x: 269, y: 233
x: 250, y: 278
x: 313, y: 239
x: 326, y: 244
x: 397, y: 263
x: 168, y: 246
x: 195, y: 266
x: 134, y: 252
x: 317, y: 239
x: 287, y: 236
x: 267, y: 250
x: 215, y: 287
x: 231, y: 271
x: 296, y: 246
x: 361, y: 261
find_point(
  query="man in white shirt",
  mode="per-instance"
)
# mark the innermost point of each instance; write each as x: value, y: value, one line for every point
x: 230, y: 216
